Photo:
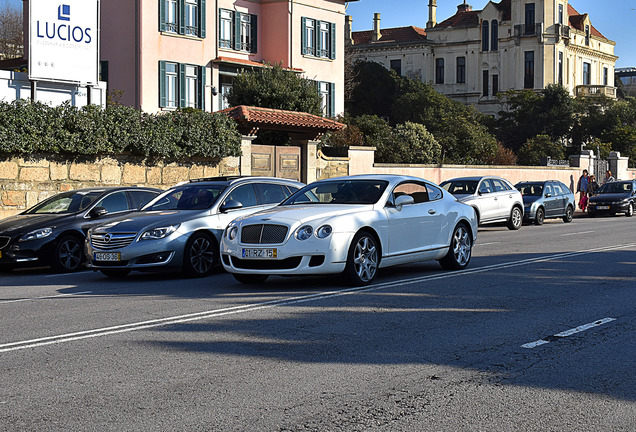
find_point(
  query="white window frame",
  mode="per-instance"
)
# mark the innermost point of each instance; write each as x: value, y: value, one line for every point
x: 172, y: 85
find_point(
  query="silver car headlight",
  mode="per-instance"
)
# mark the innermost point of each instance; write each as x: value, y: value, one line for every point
x: 159, y: 233
x: 304, y: 232
x: 324, y: 231
x: 37, y: 234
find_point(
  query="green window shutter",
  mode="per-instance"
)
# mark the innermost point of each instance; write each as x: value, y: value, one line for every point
x: 254, y: 35
x: 303, y: 35
x: 332, y: 35
x: 182, y: 85
x: 202, y: 16
x: 182, y: 17
x: 332, y: 100
x: 162, y: 15
x: 162, y: 84
x: 237, y: 31
x: 202, y: 87
x: 318, y: 36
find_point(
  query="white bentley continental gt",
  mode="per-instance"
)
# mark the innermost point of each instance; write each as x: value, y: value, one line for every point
x: 352, y: 225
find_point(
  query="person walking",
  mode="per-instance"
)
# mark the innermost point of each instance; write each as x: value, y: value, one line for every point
x: 592, y: 186
x: 581, y: 188
x: 608, y: 177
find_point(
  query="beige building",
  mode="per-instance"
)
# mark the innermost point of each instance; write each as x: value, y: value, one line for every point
x: 512, y: 44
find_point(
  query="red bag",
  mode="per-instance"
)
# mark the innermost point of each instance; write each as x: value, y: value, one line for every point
x: 583, y: 202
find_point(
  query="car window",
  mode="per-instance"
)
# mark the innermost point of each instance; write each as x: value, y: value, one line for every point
x: 186, y: 197
x: 418, y: 191
x: 270, y: 193
x: 499, y: 186
x: 115, y: 202
x: 548, y: 189
x: 460, y: 187
x: 557, y: 189
x: 530, y: 189
x: 66, y: 202
x: 566, y: 190
x: 360, y: 191
x: 433, y: 193
x: 140, y: 198
x: 289, y: 190
x: 486, y: 187
x: 244, y: 194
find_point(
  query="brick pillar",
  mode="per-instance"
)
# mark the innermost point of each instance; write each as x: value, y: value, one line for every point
x: 245, y: 165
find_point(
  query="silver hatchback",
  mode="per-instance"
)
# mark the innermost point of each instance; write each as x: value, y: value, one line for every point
x: 181, y: 228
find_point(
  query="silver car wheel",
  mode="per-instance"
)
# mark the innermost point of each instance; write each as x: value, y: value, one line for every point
x: 461, y: 246
x: 201, y: 255
x: 365, y: 259
x: 516, y: 219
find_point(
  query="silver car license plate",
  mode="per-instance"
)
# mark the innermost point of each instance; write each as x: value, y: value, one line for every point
x: 107, y: 256
x: 260, y: 253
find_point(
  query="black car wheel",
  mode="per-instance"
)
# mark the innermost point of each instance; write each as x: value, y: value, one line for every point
x: 539, y: 217
x: 250, y: 278
x: 516, y: 219
x: 200, y: 255
x: 362, y: 260
x: 68, y: 255
x: 630, y: 210
x: 115, y: 273
x: 460, y: 250
x: 569, y: 214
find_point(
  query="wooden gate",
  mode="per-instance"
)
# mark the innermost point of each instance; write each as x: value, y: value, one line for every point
x: 276, y: 161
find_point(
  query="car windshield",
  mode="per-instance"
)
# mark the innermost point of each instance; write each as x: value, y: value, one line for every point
x: 339, y: 192
x: 186, y: 197
x: 460, y: 187
x: 615, y: 187
x: 530, y: 189
x: 66, y: 202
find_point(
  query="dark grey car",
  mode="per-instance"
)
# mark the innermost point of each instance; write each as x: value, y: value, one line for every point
x: 546, y: 199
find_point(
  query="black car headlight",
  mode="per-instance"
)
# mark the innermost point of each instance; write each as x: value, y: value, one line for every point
x: 37, y: 234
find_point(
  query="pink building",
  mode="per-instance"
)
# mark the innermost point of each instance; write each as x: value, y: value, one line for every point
x: 166, y: 54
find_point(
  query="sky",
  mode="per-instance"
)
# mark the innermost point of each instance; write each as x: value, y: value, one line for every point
x: 615, y: 19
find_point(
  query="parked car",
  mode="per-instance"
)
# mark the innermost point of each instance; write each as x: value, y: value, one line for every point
x: 53, y: 231
x: 546, y: 199
x: 493, y: 198
x: 351, y: 225
x: 180, y: 229
x: 614, y: 197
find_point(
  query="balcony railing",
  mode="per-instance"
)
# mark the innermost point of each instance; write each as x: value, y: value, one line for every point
x: 527, y: 30
x: 596, y: 90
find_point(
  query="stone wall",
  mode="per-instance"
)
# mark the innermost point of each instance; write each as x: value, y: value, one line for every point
x: 27, y: 181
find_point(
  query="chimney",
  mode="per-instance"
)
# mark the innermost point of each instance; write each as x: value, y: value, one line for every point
x: 464, y: 7
x: 432, y: 14
x: 376, y: 28
x: 348, y: 26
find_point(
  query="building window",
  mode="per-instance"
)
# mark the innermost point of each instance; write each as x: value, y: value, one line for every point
x: 327, y: 92
x: 181, y: 85
x: 561, y: 14
x: 226, y: 82
x: 439, y: 71
x: 587, y: 73
x: 484, y: 83
x: 587, y: 35
x: 396, y: 65
x: 461, y: 70
x: 605, y: 76
x: 484, y: 36
x: 494, y: 43
x: 560, y: 69
x: 318, y: 38
x: 495, y: 85
x: 528, y: 81
x: 238, y: 31
x: 184, y: 17
x: 530, y: 20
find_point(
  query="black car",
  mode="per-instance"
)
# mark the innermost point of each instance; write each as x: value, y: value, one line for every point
x: 53, y: 231
x: 614, y: 197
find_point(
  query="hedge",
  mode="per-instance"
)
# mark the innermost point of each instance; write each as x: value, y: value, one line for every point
x: 32, y: 127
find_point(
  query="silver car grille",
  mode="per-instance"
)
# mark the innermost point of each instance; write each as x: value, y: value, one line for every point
x: 263, y: 234
x: 4, y: 241
x: 109, y: 241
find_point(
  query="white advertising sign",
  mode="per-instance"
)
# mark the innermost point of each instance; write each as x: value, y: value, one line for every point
x: 64, y: 40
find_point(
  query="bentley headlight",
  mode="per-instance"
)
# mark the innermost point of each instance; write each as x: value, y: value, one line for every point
x: 37, y: 234
x: 304, y: 232
x: 324, y: 231
x: 159, y: 233
x: 232, y: 232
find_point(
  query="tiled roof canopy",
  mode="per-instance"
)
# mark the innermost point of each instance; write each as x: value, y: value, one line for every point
x: 308, y: 126
x: 397, y: 34
x: 576, y: 21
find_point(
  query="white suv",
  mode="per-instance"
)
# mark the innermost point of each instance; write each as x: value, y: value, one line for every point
x: 493, y: 198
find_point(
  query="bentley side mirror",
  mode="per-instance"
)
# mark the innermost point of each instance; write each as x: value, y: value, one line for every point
x: 403, y: 200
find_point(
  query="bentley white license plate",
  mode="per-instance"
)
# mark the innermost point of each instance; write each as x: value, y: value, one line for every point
x: 260, y: 253
x: 602, y: 207
x: 107, y: 256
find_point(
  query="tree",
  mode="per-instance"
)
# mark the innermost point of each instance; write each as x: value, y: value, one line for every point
x: 11, y: 38
x: 538, y: 148
x: 411, y: 143
x: 374, y: 90
x: 275, y: 87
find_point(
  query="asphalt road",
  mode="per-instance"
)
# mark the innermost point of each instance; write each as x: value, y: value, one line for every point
x: 538, y: 334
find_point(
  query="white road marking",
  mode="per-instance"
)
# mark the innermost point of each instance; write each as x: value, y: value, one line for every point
x: 485, y: 244
x: 63, y: 338
x: 43, y: 297
x: 570, y: 332
x: 576, y: 233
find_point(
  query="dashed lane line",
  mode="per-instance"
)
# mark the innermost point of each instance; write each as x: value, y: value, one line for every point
x: 567, y: 333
